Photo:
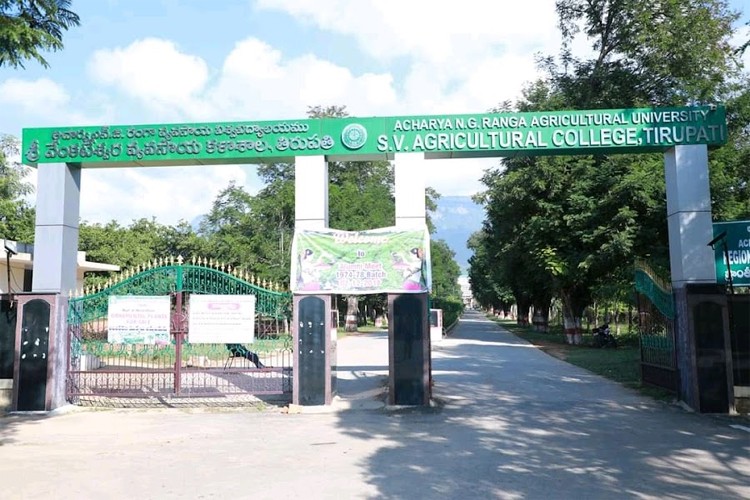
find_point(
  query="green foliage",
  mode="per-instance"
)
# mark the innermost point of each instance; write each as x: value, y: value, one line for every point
x: 660, y: 52
x: 16, y: 215
x: 143, y: 241
x: 361, y: 195
x: 445, y: 271
x: 573, y: 226
x: 452, y: 308
x: 28, y: 27
x: 730, y: 164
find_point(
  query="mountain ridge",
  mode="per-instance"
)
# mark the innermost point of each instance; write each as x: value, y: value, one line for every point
x: 455, y: 219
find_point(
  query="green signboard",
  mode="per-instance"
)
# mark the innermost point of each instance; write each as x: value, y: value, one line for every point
x: 737, y: 252
x: 386, y: 260
x: 447, y: 136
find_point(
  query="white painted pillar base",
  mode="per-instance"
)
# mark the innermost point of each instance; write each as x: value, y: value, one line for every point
x: 56, y: 232
x: 310, y: 192
x: 689, y: 215
x: 409, y: 174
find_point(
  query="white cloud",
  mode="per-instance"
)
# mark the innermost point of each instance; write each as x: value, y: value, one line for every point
x: 34, y: 96
x: 44, y: 103
x: 258, y: 82
x: 151, y: 69
x: 458, y: 177
x: 170, y: 194
x: 462, y: 58
x: 438, y: 31
x: 742, y: 35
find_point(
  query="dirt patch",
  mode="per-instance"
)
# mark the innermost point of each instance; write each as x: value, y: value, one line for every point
x: 556, y: 350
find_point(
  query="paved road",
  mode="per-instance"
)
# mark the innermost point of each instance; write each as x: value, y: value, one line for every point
x: 511, y: 423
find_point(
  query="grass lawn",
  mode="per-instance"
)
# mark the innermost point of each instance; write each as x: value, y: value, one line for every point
x: 621, y: 365
x: 360, y: 329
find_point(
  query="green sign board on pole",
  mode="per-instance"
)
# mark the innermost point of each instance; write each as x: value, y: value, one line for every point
x: 448, y: 136
x: 736, y: 252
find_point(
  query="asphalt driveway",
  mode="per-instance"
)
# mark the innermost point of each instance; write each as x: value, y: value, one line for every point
x: 509, y: 422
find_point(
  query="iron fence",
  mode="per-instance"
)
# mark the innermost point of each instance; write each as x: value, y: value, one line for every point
x: 99, y: 368
x: 656, y: 329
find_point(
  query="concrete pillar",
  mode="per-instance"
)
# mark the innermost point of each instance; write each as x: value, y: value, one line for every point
x: 409, y: 173
x: 691, y: 259
x: 689, y: 215
x: 314, y: 354
x: 310, y: 192
x: 56, y: 233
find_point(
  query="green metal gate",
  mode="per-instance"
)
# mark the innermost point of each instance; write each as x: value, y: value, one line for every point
x: 99, y: 370
x: 656, y: 329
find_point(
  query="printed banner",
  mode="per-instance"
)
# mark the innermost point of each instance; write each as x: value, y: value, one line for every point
x: 138, y: 319
x: 386, y: 260
x: 222, y: 319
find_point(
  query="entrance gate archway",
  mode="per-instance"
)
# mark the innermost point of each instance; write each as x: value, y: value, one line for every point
x: 682, y: 134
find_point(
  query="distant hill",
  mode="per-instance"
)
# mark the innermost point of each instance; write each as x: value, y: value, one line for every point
x: 457, y: 217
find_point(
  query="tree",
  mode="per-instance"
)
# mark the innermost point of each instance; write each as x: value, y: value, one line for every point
x: 180, y: 240
x: 572, y: 226
x: 730, y: 164
x: 28, y: 27
x: 658, y: 52
x: 16, y: 215
x: 445, y: 271
x: 228, y: 228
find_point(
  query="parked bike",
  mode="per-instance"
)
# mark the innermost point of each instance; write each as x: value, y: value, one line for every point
x: 603, y: 337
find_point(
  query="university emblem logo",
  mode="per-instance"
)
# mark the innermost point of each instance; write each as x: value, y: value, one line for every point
x: 354, y: 136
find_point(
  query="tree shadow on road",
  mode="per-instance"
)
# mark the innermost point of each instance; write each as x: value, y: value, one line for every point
x: 512, y: 422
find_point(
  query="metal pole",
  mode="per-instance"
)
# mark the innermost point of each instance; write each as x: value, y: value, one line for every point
x: 178, y: 334
x: 733, y: 340
x: 7, y: 260
x: 729, y: 270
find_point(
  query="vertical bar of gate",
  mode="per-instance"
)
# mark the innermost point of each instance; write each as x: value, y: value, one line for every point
x: 178, y: 333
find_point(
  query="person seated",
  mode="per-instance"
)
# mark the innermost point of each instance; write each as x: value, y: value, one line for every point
x: 240, y: 351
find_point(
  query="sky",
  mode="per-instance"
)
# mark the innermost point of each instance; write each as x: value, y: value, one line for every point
x: 183, y: 61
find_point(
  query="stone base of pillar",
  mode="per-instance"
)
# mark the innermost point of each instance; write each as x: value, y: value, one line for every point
x: 314, y: 351
x: 703, y: 348
x: 39, y: 371
x: 409, y: 374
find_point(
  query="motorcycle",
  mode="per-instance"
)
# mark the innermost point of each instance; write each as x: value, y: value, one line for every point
x: 603, y: 337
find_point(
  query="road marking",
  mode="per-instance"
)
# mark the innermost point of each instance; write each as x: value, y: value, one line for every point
x: 740, y: 427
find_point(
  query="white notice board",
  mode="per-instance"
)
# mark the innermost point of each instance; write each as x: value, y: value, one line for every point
x: 222, y: 319
x: 138, y: 319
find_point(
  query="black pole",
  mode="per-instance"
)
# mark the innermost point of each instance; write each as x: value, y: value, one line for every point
x: 729, y: 270
x: 733, y: 340
x: 7, y: 265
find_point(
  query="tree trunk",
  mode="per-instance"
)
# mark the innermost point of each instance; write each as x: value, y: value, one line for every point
x: 352, y: 311
x: 540, y: 318
x: 524, y: 305
x: 572, y: 317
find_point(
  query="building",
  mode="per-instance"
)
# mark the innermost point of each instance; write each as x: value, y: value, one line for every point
x: 17, y: 267
x: 466, y: 296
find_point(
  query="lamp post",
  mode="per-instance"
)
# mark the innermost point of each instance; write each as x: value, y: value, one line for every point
x: 722, y: 237
x: 10, y: 250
